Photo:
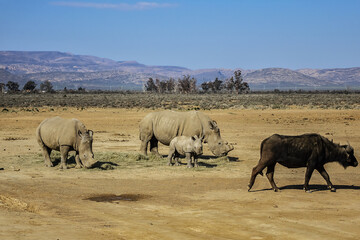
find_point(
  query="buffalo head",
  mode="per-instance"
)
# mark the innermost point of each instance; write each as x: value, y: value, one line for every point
x: 347, y: 156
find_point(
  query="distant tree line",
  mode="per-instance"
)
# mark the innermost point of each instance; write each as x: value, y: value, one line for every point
x: 29, y: 87
x: 234, y: 84
x: 187, y: 84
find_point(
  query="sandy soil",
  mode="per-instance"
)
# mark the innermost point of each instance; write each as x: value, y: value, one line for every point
x: 164, y: 202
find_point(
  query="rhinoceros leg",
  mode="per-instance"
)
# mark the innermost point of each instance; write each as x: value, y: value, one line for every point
x: 177, y: 159
x: 46, y: 153
x: 171, y: 156
x: 154, y: 146
x: 195, y: 160
x: 77, y: 160
x: 64, y: 150
x: 188, y: 158
x: 144, y: 146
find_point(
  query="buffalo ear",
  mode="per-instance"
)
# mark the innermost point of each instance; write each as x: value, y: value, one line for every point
x: 348, y: 148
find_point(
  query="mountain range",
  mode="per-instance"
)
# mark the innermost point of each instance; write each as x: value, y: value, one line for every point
x: 73, y: 71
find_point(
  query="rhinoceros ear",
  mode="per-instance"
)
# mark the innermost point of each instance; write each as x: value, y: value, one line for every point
x: 80, y: 134
x: 213, y: 125
x: 91, y: 133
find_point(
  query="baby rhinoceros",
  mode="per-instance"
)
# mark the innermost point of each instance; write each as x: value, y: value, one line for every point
x: 66, y: 135
x: 191, y: 147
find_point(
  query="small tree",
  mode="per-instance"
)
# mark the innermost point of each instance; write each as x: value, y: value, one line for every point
x: 81, y: 89
x: 205, y: 86
x: 46, y: 86
x: 12, y: 86
x: 170, y: 85
x: 217, y: 85
x: 29, y: 86
x: 2, y: 87
x: 193, y: 85
x: 239, y: 85
x: 230, y: 84
x: 162, y: 86
x: 187, y: 84
x: 150, y: 86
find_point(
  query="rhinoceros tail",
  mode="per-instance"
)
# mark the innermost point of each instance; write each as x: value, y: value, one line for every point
x: 38, y: 135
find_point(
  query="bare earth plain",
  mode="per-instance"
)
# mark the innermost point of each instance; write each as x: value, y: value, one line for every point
x: 146, y: 199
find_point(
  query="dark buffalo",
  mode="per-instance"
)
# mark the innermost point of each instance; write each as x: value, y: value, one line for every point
x: 309, y: 150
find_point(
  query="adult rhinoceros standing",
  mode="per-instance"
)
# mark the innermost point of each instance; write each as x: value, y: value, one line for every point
x: 65, y: 135
x: 164, y: 126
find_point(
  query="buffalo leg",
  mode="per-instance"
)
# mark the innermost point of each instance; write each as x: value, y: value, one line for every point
x: 270, y: 176
x: 64, y: 150
x: 46, y: 153
x: 256, y: 170
x: 325, y: 175
x: 188, y: 158
x: 77, y: 160
x: 154, y: 146
x: 309, y: 172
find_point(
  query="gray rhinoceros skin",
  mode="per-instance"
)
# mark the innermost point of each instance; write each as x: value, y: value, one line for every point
x: 165, y: 125
x: 66, y: 135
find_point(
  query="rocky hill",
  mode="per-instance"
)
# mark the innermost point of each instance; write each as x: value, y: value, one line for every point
x: 339, y: 76
x: 66, y: 69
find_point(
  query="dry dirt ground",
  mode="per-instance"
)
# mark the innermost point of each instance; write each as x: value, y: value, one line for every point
x: 154, y: 201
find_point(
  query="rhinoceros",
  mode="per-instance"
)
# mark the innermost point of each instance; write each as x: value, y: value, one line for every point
x: 191, y: 147
x: 66, y: 135
x: 165, y: 125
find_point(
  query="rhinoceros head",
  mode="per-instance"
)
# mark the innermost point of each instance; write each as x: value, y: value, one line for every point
x: 197, y: 144
x: 86, y: 154
x: 217, y: 146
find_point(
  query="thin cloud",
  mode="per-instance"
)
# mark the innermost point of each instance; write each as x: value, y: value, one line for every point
x: 119, y: 6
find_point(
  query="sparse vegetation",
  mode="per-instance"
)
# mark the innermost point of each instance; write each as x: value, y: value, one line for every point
x: 266, y: 100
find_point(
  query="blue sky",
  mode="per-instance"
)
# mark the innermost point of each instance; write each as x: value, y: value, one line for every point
x: 248, y: 34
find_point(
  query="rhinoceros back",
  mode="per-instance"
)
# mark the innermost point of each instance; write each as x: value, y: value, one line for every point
x: 57, y: 131
x: 166, y: 125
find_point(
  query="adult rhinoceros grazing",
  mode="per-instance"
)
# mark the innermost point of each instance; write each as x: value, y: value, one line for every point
x: 66, y: 135
x: 164, y: 126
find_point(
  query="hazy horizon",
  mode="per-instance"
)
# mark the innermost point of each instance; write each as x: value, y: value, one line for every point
x: 193, y: 34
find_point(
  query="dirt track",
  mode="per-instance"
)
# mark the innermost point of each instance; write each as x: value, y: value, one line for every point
x: 161, y: 202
